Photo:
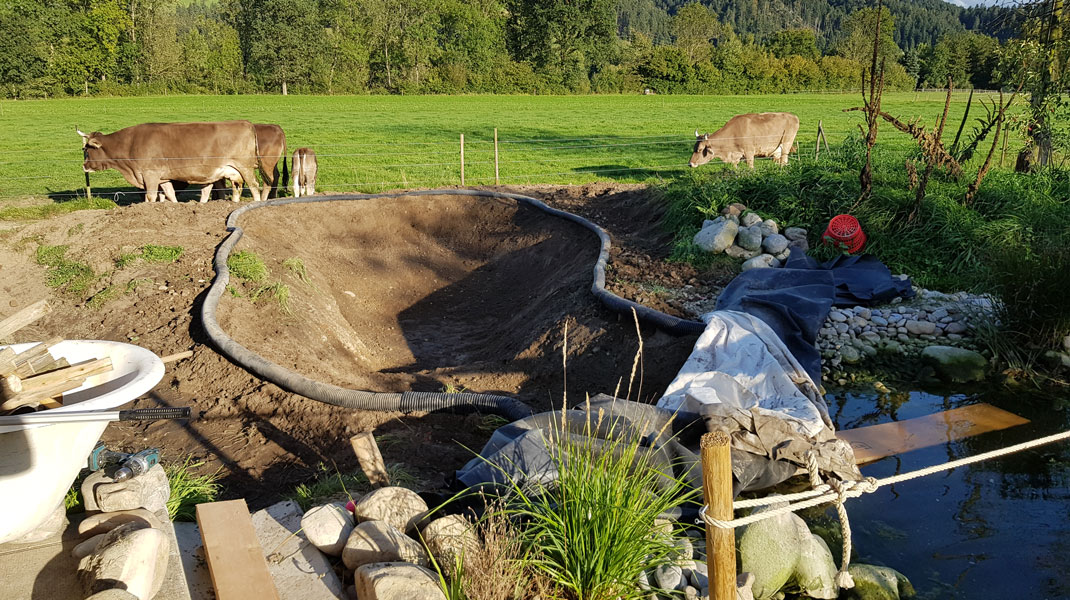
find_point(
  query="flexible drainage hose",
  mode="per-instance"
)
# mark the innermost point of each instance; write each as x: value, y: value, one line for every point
x: 286, y: 379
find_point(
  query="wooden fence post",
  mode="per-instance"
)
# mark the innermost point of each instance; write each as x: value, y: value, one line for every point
x: 462, y: 159
x: 1003, y: 154
x: 817, y: 143
x: 495, y: 156
x: 717, y: 489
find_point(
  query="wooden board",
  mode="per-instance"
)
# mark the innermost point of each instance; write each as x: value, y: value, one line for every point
x: 235, y: 559
x: 887, y: 439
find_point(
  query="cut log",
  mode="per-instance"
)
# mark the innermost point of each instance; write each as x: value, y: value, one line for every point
x: 24, y: 317
x: 235, y: 559
x: 888, y: 439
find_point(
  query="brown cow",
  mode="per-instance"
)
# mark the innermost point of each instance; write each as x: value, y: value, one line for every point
x: 304, y: 172
x: 270, y: 153
x: 152, y: 154
x: 748, y: 136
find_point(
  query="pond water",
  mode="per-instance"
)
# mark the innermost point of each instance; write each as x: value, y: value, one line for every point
x: 995, y: 529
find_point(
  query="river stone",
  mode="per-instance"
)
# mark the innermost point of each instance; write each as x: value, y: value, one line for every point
x: 751, y: 218
x: 105, y: 522
x: 955, y: 327
x: 87, y: 547
x: 770, y: 549
x: 670, y: 577
x: 718, y: 237
x: 762, y: 261
x: 938, y: 314
x: 775, y: 244
x: 128, y: 558
x: 749, y: 238
x: 399, y: 506
x: 448, y: 539
x: 802, y: 245
x: 816, y: 571
x: 736, y: 252
x: 328, y: 527
x: 149, y: 490
x: 878, y: 583
x: 735, y: 209
x: 795, y: 233
x: 920, y: 327
x: 396, y: 581
x: 850, y: 355
x: 881, y: 321
x: 379, y: 541
x: 768, y: 227
x: 837, y: 316
x: 956, y: 365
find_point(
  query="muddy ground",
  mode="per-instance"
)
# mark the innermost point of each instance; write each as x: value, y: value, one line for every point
x: 427, y: 294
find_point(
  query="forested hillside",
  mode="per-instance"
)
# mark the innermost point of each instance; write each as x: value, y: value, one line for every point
x: 75, y: 47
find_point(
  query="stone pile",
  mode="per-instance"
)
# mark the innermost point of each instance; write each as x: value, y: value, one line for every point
x: 775, y: 555
x: 854, y: 335
x: 743, y: 234
x: 124, y: 553
x: 377, y: 542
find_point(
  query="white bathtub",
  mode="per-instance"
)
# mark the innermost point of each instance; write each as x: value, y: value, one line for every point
x: 38, y: 463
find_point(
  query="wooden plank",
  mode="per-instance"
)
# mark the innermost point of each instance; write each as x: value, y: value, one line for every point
x: 887, y: 439
x: 80, y: 371
x: 24, y: 317
x: 235, y: 559
x: 371, y: 461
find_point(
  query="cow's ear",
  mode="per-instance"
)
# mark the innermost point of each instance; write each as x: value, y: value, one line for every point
x: 92, y: 141
x: 706, y: 136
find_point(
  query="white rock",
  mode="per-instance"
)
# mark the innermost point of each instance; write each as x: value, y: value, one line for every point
x: 837, y: 316
x: 920, y: 327
x: 768, y: 227
x: 87, y: 547
x: 328, y: 527
x: 737, y: 252
x: 149, y: 490
x: 449, y: 539
x: 762, y: 261
x: 749, y: 238
x: 955, y: 327
x: 378, y: 581
x: 795, y: 233
x: 670, y: 577
x: 751, y: 218
x: 815, y: 572
x: 717, y: 237
x: 775, y: 244
x: 128, y: 558
x: 379, y: 541
x: 398, y: 506
x: 106, y: 521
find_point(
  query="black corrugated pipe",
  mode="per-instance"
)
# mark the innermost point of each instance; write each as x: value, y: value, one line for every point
x: 286, y: 379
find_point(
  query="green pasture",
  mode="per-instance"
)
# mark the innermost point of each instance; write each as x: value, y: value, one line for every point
x: 370, y: 143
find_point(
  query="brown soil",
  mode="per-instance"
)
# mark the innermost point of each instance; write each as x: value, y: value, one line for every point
x: 414, y: 293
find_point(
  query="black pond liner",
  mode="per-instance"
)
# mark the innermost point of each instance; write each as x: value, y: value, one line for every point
x: 508, y: 407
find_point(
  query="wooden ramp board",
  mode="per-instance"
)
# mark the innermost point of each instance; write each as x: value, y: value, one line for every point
x: 887, y: 439
x: 235, y: 559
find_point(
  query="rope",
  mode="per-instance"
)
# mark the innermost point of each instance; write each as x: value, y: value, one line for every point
x: 836, y: 491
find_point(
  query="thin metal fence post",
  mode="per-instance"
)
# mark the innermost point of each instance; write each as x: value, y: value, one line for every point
x: 462, y: 159
x: 496, y: 156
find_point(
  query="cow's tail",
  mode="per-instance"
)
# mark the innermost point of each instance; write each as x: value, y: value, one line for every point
x: 285, y: 178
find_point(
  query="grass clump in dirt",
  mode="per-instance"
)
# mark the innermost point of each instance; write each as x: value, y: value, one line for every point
x: 150, y: 253
x: 189, y: 490
x: 247, y: 266
x: 99, y: 299
x: 296, y: 266
x: 44, y: 211
x: 336, y: 485
x: 64, y: 274
x: 278, y: 292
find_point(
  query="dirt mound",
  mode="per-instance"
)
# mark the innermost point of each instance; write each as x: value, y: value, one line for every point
x: 418, y: 293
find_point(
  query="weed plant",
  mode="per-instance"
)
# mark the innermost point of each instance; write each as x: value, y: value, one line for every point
x: 297, y: 267
x: 246, y: 265
x: 189, y: 490
x: 591, y: 532
x: 278, y: 292
x: 64, y: 274
x: 330, y: 485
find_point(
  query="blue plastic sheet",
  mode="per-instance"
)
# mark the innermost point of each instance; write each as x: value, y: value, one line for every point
x: 795, y: 300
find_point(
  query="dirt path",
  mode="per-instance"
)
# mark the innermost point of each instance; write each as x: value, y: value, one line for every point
x: 424, y: 294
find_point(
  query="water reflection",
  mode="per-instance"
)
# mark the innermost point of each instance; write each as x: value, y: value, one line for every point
x: 997, y: 529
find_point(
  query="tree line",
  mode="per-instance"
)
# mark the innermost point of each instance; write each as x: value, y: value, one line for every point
x: 52, y: 48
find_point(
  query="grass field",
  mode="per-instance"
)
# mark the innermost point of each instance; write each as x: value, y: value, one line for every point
x: 370, y: 143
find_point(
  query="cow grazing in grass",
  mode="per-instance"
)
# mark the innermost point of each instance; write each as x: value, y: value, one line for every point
x: 304, y: 172
x: 151, y: 155
x: 746, y: 137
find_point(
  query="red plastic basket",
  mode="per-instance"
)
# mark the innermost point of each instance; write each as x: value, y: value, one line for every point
x: 844, y: 232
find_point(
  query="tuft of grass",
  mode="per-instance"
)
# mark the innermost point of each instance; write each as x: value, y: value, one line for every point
x: 133, y: 284
x: 330, y: 485
x: 233, y: 291
x: 75, y: 230
x: 161, y: 254
x: 453, y: 388
x: 279, y: 292
x: 102, y: 297
x: 589, y: 531
x: 189, y: 490
x: 490, y: 423
x: 70, y: 276
x: 297, y: 267
x: 246, y: 265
